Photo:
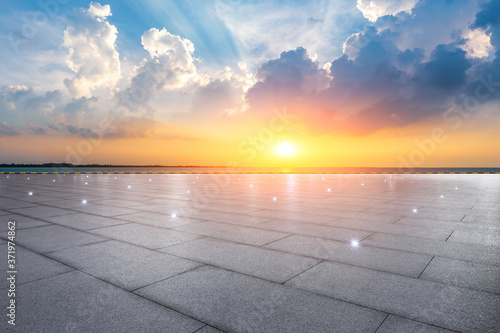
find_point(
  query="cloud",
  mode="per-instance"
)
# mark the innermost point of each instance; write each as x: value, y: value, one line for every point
x: 219, y: 97
x: 143, y: 127
x: 7, y: 130
x: 373, y: 9
x: 287, y: 80
x: 37, y: 130
x: 488, y: 20
x: 477, y: 44
x: 264, y: 29
x: 381, y: 86
x: 20, y: 104
x: 121, y: 126
x: 432, y: 23
x: 225, y: 95
x: 170, y: 66
x: 431, y: 90
x: 132, y: 127
x: 386, y: 87
x: 443, y: 76
x: 61, y: 127
x: 412, y: 60
x: 487, y: 74
x: 79, y: 106
x: 92, y: 54
x: 429, y: 24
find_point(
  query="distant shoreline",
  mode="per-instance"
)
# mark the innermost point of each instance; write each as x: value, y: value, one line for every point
x: 159, y: 169
x: 69, y: 165
x: 79, y: 166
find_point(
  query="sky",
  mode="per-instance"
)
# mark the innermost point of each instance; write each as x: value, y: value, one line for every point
x: 346, y: 83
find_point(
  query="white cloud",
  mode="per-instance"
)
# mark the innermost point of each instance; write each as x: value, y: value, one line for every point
x: 99, y: 11
x: 175, y: 54
x: 262, y: 30
x: 478, y: 44
x: 170, y: 66
x: 373, y: 9
x: 90, y: 40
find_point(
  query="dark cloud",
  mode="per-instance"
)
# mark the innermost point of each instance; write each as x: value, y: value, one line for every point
x: 79, y: 105
x: 443, y: 76
x: 7, y: 130
x: 485, y: 85
x: 381, y: 86
x: 410, y: 58
x: 33, y: 129
x: 376, y: 92
x: 287, y: 80
x: 67, y: 129
x: 488, y: 18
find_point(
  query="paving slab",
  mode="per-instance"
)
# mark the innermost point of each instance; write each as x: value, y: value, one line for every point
x: 486, y: 236
x: 264, y: 263
x: 209, y: 329
x: 433, y: 303
x: 167, y: 208
x: 122, y: 203
x: 77, y: 302
x: 67, y: 203
x: 32, y: 266
x: 238, y: 303
x: 83, y: 221
x: 289, y: 216
x: 466, y: 274
x: 124, y: 265
x: 145, y: 235
x: 397, y: 324
x: 103, y: 210
x: 246, y: 235
x: 399, y: 262
x: 431, y: 232
x: 41, y: 211
x: 235, y: 260
x: 462, y: 251
x: 155, y: 219
x: 52, y: 238
x: 235, y: 218
x: 22, y: 222
x: 314, y: 230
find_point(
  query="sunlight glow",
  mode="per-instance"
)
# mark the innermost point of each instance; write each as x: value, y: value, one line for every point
x: 285, y: 149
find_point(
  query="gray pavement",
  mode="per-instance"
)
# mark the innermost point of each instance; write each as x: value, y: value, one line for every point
x: 253, y: 253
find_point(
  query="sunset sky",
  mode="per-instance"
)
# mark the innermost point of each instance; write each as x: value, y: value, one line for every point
x: 319, y: 83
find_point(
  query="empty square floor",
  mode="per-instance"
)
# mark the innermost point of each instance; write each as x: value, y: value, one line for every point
x: 252, y: 253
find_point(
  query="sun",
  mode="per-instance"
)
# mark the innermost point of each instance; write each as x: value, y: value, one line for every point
x: 285, y: 149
